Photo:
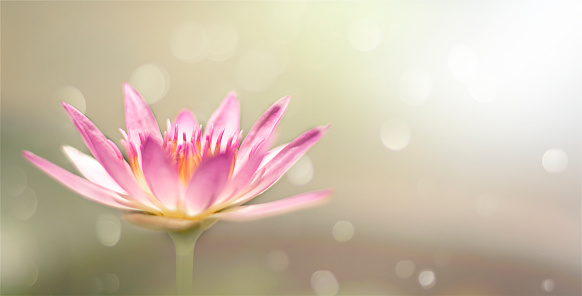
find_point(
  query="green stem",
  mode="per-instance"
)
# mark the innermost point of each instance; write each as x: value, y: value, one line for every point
x: 184, y: 241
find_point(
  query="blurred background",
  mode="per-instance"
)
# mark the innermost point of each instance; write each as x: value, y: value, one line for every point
x: 454, y: 149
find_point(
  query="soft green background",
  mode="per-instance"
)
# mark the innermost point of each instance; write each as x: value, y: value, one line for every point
x: 496, y: 84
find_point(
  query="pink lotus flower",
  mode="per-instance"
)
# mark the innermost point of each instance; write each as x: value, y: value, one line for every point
x: 188, y: 175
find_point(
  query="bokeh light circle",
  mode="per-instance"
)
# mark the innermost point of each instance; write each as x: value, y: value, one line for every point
x: 404, y: 269
x: 548, y: 285
x: 188, y: 42
x: 152, y: 81
x: 426, y: 279
x: 395, y: 134
x: 343, y: 231
x: 463, y: 63
x: 277, y: 261
x: 555, y: 161
x: 301, y: 172
x: 483, y: 89
x: 25, y: 204
x: 222, y: 41
x: 415, y: 87
x: 73, y: 96
x: 324, y: 282
x: 108, y: 229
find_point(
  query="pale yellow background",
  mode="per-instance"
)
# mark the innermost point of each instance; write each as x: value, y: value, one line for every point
x: 469, y: 96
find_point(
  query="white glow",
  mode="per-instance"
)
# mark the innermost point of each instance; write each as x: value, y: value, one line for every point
x: 364, y: 34
x: 222, y: 41
x: 188, y: 42
x: 277, y: 261
x: 256, y: 70
x: 25, y: 204
x: 301, y: 172
x: 152, y: 82
x: 486, y: 205
x: 555, y: 161
x: 108, y: 230
x: 343, y: 231
x: 395, y: 134
x: 404, y: 269
x: 415, y: 86
x: 483, y: 89
x: 463, y: 62
x: 548, y: 285
x: 323, y: 282
x: 427, y: 279
x: 73, y: 97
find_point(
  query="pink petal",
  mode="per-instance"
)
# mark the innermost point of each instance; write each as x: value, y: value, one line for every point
x: 264, y: 127
x: 85, y: 127
x: 275, y: 207
x: 243, y: 177
x: 139, y: 117
x: 79, y: 185
x: 161, y: 175
x: 187, y: 123
x: 92, y: 169
x: 108, y: 155
x: 207, y: 183
x: 120, y: 171
x: 226, y: 118
x: 282, y: 161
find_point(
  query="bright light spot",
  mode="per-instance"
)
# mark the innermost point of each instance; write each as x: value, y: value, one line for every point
x: 324, y: 282
x: 277, y: 261
x: 256, y: 70
x: 343, y: 231
x: 108, y: 230
x: 152, y: 82
x: 404, y: 269
x: 555, y: 161
x: 222, y: 41
x: 15, y: 180
x: 415, y: 86
x: 110, y: 283
x: 188, y: 42
x: 72, y: 96
x: 548, y: 285
x: 483, y: 89
x: 426, y: 279
x: 486, y: 204
x: 442, y: 258
x: 395, y: 134
x: 25, y: 204
x: 301, y: 172
x: 464, y: 63
x: 364, y: 34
